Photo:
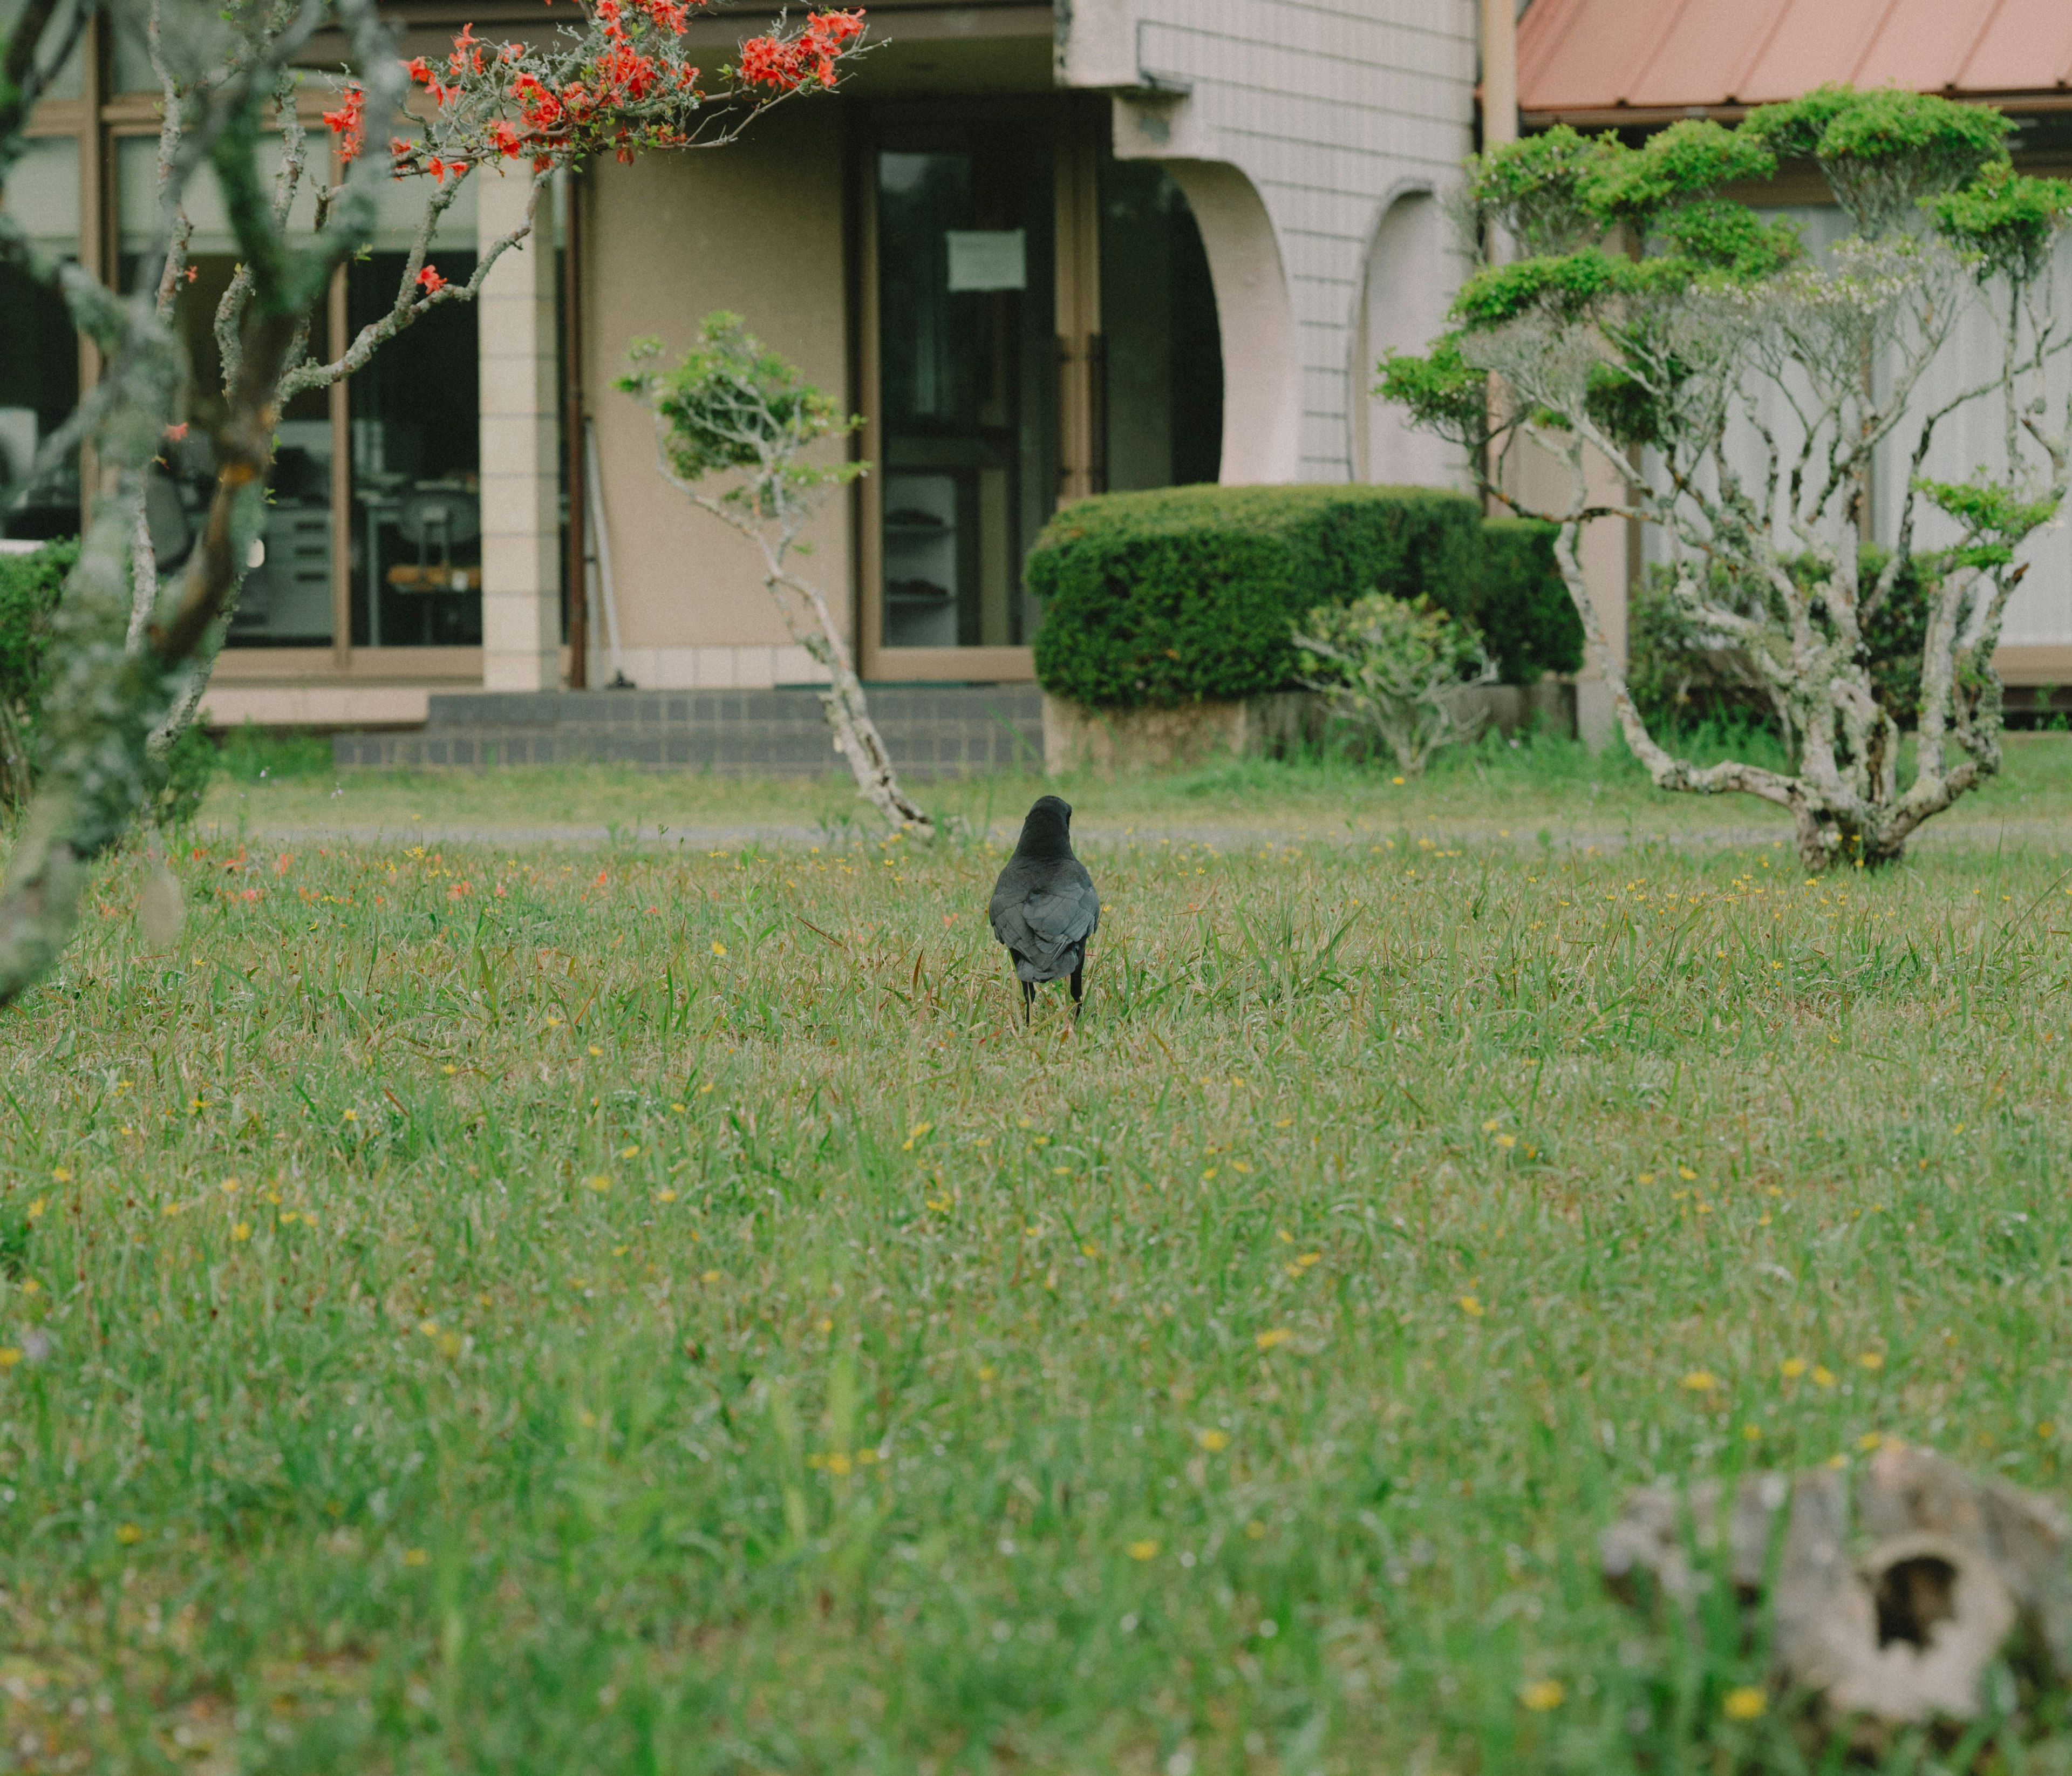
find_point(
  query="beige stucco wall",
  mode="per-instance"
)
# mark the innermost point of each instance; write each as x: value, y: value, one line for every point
x: 755, y: 228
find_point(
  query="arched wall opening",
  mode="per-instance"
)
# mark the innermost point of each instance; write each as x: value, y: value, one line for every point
x: 1256, y: 322
x: 1402, y: 308
x: 1161, y: 346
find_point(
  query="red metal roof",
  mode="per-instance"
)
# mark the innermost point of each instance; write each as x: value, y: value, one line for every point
x: 1593, y: 59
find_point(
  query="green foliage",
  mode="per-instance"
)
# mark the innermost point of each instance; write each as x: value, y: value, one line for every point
x: 1569, y: 287
x: 1684, y: 164
x: 16, y: 1232
x: 1896, y: 631
x: 1539, y: 189
x: 175, y: 784
x: 1154, y: 600
x: 734, y: 405
x: 1793, y: 129
x: 1995, y: 517
x: 1717, y: 236
x: 253, y: 755
x: 2007, y: 219
x: 1883, y: 151
x: 1441, y: 389
x: 1683, y: 677
x: 30, y: 587
x: 1527, y: 620
x: 1387, y: 665
x: 1625, y: 408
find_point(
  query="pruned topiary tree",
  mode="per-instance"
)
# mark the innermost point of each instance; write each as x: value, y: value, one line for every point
x: 1733, y: 390
x: 735, y: 426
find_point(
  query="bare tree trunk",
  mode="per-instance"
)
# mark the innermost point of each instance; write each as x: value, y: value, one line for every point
x: 811, y: 625
x: 857, y: 737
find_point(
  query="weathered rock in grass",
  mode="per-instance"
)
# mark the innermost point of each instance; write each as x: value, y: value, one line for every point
x: 1894, y: 1619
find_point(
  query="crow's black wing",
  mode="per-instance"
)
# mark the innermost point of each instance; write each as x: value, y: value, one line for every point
x: 1045, y: 918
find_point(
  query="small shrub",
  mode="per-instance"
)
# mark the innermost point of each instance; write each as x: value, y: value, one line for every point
x: 249, y: 754
x: 29, y: 588
x: 1388, y: 667
x: 177, y: 781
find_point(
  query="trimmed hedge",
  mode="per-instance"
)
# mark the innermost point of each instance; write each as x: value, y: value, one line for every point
x: 29, y: 588
x: 1190, y: 595
x: 1526, y: 616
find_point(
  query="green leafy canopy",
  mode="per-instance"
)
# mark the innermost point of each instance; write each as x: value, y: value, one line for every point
x: 1882, y: 152
x: 734, y: 405
x: 1995, y: 517
x: 2005, y: 220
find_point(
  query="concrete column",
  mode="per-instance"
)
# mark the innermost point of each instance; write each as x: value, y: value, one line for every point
x: 521, y: 569
x: 1499, y: 85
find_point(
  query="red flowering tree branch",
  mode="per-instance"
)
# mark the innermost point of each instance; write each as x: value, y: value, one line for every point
x: 622, y: 81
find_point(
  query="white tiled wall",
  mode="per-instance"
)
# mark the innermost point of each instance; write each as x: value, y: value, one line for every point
x: 1332, y: 109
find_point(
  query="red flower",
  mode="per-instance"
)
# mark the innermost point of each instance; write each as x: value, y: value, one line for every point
x: 176, y: 432
x: 786, y: 64
x: 348, y: 123
x: 430, y: 281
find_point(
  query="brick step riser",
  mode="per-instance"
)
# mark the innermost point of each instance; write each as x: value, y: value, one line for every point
x: 1019, y: 706
x: 757, y: 752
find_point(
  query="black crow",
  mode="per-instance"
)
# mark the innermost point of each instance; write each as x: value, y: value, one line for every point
x: 1044, y: 907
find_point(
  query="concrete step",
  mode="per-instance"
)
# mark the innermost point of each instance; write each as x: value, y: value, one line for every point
x: 931, y: 731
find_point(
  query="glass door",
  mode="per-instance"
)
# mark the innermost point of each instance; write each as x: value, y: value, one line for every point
x: 963, y: 438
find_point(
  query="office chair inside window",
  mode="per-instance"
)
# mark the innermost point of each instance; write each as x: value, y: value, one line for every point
x: 435, y: 522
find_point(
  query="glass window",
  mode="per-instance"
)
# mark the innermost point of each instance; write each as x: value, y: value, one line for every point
x: 417, y: 442
x: 967, y: 378
x: 38, y: 347
x: 286, y: 598
x: 129, y: 67
x: 1162, y: 347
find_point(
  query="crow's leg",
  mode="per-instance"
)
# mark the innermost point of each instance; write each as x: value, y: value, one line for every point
x: 1079, y: 989
x: 1028, y: 999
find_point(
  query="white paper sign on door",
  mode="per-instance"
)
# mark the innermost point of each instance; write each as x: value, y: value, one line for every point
x: 988, y: 258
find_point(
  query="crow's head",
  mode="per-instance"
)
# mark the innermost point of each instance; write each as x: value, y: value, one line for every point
x: 1047, y: 832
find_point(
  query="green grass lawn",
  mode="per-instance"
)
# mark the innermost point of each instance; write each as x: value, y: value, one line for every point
x: 512, y: 1306
x: 1492, y: 792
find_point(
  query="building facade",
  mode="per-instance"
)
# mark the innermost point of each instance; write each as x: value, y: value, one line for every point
x: 1043, y: 250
